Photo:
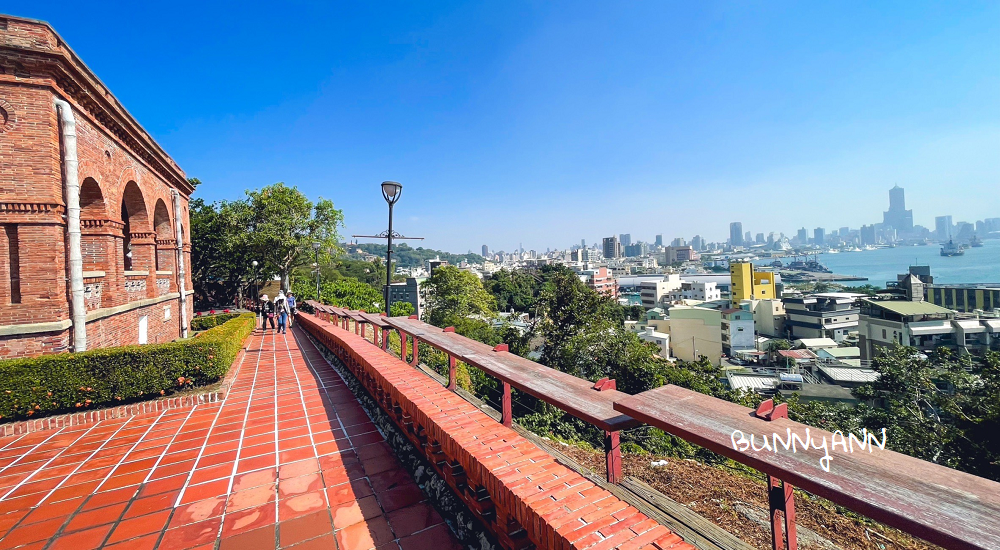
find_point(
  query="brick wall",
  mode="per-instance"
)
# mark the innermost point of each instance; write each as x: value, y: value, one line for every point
x: 518, y: 491
x: 120, y: 169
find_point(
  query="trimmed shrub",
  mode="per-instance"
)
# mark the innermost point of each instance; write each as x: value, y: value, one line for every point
x: 209, y: 321
x: 74, y: 382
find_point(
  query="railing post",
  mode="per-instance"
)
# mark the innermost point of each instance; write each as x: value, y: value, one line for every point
x: 402, y: 346
x: 452, y: 382
x: 385, y: 339
x: 613, y: 456
x: 415, y: 360
x: 781, y: 497
x: 506, y: 416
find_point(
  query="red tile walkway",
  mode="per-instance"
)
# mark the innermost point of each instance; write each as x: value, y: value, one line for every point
x: 288, y: 460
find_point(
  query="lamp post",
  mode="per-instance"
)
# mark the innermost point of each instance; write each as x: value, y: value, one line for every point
x: 256, y: 297
x: 316, y: 245
x: 391, y: 191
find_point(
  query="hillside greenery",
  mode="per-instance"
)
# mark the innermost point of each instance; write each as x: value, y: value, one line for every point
x: 406, y: 256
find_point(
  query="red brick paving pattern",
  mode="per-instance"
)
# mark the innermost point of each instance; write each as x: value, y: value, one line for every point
x: 288, y: 460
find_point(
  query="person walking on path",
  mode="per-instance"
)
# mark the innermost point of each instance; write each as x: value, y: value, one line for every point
x: 266, y: 312
x: 291, y: 308
x: 281, y: 310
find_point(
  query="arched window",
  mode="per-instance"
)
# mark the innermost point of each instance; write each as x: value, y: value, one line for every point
x: 133, y: 216
x: 161, y: 224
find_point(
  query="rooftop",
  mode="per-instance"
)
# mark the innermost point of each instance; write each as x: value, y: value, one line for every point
x: 906, y: 308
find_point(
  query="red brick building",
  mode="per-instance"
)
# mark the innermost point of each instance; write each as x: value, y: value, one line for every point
x: 89, y: 205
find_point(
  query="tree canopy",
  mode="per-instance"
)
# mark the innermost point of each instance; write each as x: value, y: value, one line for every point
x: 454, y: 294
x: 275, y: 226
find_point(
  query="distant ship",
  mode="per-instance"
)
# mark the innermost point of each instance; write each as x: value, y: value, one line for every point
x: 975, y: 242
x: 809, y: 265
x: 951, y: 249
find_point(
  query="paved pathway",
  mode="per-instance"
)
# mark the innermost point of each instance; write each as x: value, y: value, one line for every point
x: 288, y: 460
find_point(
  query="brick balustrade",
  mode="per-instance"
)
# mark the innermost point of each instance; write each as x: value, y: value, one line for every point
x: 518, y: 491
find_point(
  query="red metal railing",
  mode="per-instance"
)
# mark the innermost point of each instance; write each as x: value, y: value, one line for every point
x: 938, y: 504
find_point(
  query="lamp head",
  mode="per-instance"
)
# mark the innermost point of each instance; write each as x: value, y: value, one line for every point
x: 391, y: 191
x: 254, y: 263
x: 316, y: 245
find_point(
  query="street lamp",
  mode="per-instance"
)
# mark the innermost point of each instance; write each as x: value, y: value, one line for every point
x: 391, y: 191
x: 255, y: 296
x: 316, y: 245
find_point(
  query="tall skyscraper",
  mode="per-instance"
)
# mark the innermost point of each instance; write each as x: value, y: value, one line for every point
x: 943, y: 227
x: 747, y: 239
x: 759, y: 239
x: 897, y: 215
x: 612, y: 247
x: 659, y: 240
x: 625, y: 239
x: 583, y: 243
x: 819, y: 236
x: 486, y: 251
x: 802, y: 236
x: 736, y: 234
x: 697, y: 243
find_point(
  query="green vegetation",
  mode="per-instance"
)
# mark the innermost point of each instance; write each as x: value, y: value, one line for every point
x: 401, y: 309
x: 73, y: 382
x: 275, y: 226
x: 206, y: 322
x: 405, y: 256
x: 349, y: 293
x: 454, y: 295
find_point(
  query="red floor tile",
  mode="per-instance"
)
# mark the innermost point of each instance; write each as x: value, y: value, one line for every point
x: 299, y: 468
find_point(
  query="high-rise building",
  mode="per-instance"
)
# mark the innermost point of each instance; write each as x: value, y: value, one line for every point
x: 943, y: 227
x: 844, y: 232
x: 612, y: 247
x: 747, y: 238
x: 678, y: 241
x: 802, y: 236
x: 583, y: 243
x: 897, y: 215
x: 736, y: 234
x: 625, y: 239
x: 486, y: 251
x: 759, y: 239
x: 659, y: 240
x: 819, y: 236
x: 868, y: 235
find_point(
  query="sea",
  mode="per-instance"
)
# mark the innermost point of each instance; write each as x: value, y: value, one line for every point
x: 977, y: 265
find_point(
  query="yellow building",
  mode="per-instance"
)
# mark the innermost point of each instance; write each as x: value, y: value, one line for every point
x: 748, y: 284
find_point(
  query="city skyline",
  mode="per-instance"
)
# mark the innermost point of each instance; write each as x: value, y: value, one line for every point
x: 896, y: 202
x: 510, y: 122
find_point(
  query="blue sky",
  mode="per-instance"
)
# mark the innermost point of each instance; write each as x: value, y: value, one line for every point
x: 545, y: 123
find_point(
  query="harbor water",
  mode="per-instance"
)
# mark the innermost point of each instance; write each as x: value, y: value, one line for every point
x: 977, y: 265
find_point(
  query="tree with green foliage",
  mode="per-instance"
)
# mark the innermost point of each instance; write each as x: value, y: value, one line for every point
x: 514, y: 290
x: 220, y: 268
x: 866, y: 289
x: 280, y: 225
x: 454, y: 294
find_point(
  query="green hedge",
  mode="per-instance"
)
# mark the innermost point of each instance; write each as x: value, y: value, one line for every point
x: 209, y: 321
x: 73, y: 382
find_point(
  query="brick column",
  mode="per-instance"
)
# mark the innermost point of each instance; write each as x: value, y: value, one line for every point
x: 143, y: 259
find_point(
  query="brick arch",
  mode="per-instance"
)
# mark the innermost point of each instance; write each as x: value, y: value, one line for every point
x: 92, y: 203
x: 134, y: 205
x: 161, y: 220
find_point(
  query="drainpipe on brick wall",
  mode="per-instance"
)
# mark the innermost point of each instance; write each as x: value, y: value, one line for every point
x: 78, y: 307
x: 179, y: 231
